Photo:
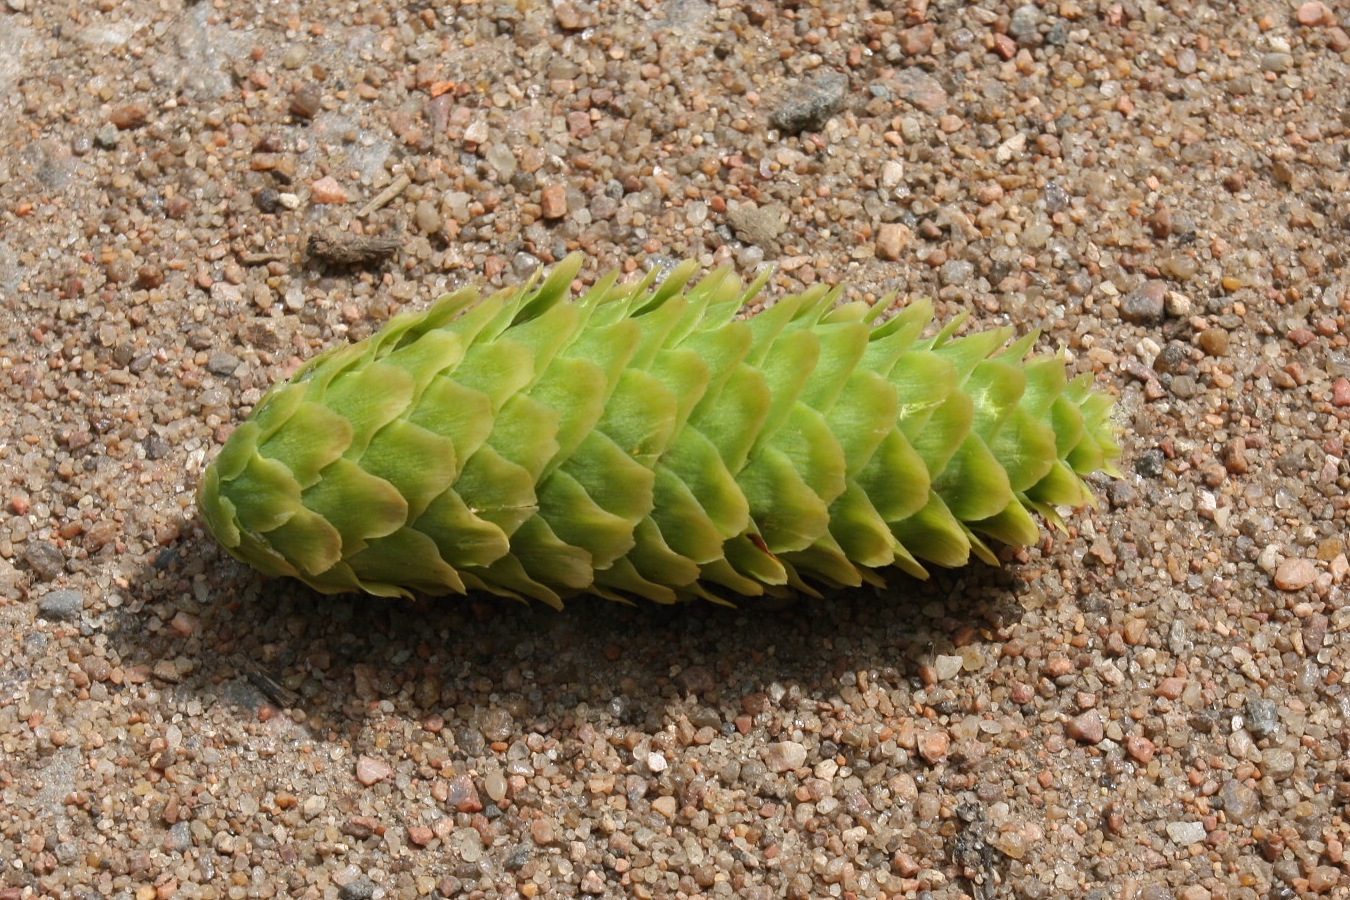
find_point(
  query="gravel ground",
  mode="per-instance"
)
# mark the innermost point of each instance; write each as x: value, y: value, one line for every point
x: 1155, y: 705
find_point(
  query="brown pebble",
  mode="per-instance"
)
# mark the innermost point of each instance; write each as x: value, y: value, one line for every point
x: 892, y: 239
x: 541, y: 832
x: 1146, y: 303
x: 306, y: 101
x: 1235, y: 456
x: 933, y: 746
x: 1301, y: 337
x: 1214, y: 341
x: 553, y: 201
x: 1140, y: 748
x: 133, y: 115
x: 370, y: 770
x: 1057, y: 666
x: 1323, y: 878
x: 148, y: 277
x: 918, y: 40
x: 1171, y: 688
x: 573, y: 16
x: 1314, y: 13
x: 359, y: 827
x: 1295, y: 573
x: 184, y: 624
x: 1161, y: 221
x: 1086, y: 728
x: 420, y: 835
x: 1340, y: 393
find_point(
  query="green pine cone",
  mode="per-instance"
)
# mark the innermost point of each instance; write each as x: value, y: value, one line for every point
x: 644, y: 442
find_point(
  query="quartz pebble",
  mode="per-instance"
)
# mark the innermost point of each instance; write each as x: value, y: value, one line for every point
x: 785, y: 756
x: 1185, y: 833
x: 1295, y: 574
x: 370, y: 770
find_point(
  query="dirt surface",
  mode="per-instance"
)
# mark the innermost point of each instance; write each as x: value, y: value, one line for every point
x: 194, y: 198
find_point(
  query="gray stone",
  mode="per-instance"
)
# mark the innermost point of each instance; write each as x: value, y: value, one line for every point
x: 811, y: 103
x: 1184, y: 387
x: 1263, y: 717
x: 1186, y: 833
x: 357, y: 889
x: 222, y: 364
x: 1240, y: 803
x: 758, y: 225
x: 956, y: 272
x: 920, y: 89
x: 1278, y: 763
x: 60, y: 606
x: 1025, y: 24
x: 44, y: 560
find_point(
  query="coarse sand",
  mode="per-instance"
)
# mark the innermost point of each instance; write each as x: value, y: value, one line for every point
x: 196, y: 196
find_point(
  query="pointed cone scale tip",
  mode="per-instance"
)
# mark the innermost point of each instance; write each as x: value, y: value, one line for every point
x: 656, y: 444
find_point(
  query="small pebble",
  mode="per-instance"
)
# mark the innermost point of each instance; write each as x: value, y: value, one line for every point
x: 306, y: 101
x: 462, y: 795
x: 60, y: 606
x: 133, y: 115
x: 933, y: 746
x: 1314, y: 13
x: 1295, y: 574
x: 759, y: 225
x: 327, y: 190
x: 947, y: 666
x: 358, y: 889
x: 1145, y: 304
x: 1141, y: 749
x: 369, y: 770
x: 1086, y: 728
x: 553, y: 201
x: 785, y: 756
x: 892, y: 240
x: 811, y: 103
x: 920, y: 89
x: 44, y: 560
x: 1214, y: 341
x: 1186, y: 833
x: 1240, y: 803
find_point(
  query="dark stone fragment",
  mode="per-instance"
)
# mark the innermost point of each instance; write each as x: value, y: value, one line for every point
x: 44, y: 560
x: 1145, y: 303
x: 360, y: 889
x: 811, y: 103
x: 1263, y: 716
x: 61, y: 606
x: 1150, y: 463
x: 156, y: 447
x: 222, y: 364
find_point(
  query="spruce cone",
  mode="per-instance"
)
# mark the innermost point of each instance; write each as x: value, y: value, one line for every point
x: 643, y: 442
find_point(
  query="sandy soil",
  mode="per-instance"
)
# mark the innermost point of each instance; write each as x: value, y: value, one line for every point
x: 1153, y: 705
